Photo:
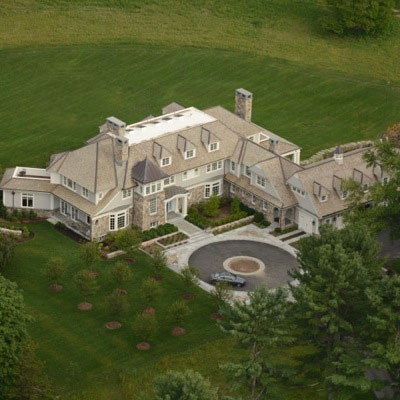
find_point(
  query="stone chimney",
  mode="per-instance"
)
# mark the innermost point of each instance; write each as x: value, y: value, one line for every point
x: 338, y: 155
x: 121, y: 142
x: 243, y: 104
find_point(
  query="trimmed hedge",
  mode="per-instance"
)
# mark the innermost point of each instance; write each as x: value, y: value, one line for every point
x: 229, y: 218
x: 161, y: 230
x: 198, y: 220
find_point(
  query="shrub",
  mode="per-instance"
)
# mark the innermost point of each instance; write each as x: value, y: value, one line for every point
x: 128, y: 240
x: 228, y: 219
x: 161, y: 230
x: 85, y: 283
x: 189, y: 275
x: 258, y: 217
x: 235, y: 205
x: 145, y: 326
x: 7, y: 246
x: 3, y: 210
x: 55, y: 269
x: 178, y: 312
x: 89, y: 253
x: 150, y: 289
x: 25, y: 232
x: 120, y: 273
x: 116, y: 305
x: 159, y: 259
x: 278, y: 230
x: 248, y: 210
x: 24, y: 214
x: 32, y: 214
x: 211, y: 207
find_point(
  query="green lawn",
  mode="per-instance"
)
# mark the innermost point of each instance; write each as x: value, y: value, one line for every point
x: 85, y: 361
x: 55, y: 98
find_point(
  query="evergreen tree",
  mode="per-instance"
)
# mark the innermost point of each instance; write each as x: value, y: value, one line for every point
x: 336, y: 268
x: 187, y: 385
x: 257, y: 327
x: 359, y: 17
x: 120, y: 273
x: 7, y: 246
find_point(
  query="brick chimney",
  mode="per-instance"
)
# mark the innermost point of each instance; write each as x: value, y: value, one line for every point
x: 243, y: 104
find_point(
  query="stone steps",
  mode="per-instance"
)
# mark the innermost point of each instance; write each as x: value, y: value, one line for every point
x: 292, y: 233
x: 295, y: 239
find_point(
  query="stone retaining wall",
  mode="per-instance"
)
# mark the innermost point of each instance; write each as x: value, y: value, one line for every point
x: 10, y: 231
x: 231, y: 224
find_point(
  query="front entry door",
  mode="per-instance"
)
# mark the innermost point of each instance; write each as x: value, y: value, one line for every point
x: 170, y: 206
x: 180, y: 205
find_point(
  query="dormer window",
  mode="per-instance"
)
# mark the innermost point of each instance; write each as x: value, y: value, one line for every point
x: 190, y: 154
x: 260, y: 181
x: 126, y: 193
x: 247, y: 172
x: 323, y: 198
x: 85, y: 192
x: 213, y: 147
x: 166, y: 161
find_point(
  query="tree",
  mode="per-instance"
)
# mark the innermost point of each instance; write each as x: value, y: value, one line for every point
x: 159, y: 260
x: 211, y: 207
x: 55, y: 269
x: 336, y: 268
x: 178, y: 312
x: 120, y: 273
x: 186, y: 385
x: 90, y: 254
x: 85, y: 283
x: 258, y: 326
x: 359, y: 17
x: 189, y: 276
x: 116, y: 305
x: 235, y: 206
x: 150, y: 289
x: 222, y: 294
x: 31, y: 382
x: 128, y: 240
x: 7, y: 246
x: 145, y: 326
x: 13, y: 321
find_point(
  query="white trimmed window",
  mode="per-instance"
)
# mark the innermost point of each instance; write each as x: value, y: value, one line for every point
x: 153, y: 206
x: 153, y: 188
x: 260, y: 181
x: 190, y: 154
x: 85, y: 192
x: 74, y: 213
x: 233, y: 166
x: 343, y: 195
x: 212, y: 189
x: 112, y: 222
x: 118, y: 221
x: 213, y: 147
x: 153, y: 224
x: 27, y: 200
x: 264, y: 205
x: 169, y: 181
x: 165, y: 161
x: 247, y: 172
x: 214, y: 166
x: 126, y: 193
x: 253, y: 199
x: 233, y: 188
x: 323, y: 198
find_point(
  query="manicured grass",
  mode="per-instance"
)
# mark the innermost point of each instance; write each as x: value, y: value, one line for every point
x: 85, y: 361
x: 284, y: 29
x: 55, y: 98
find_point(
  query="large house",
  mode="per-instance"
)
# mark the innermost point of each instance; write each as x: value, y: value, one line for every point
x: 147, y: 173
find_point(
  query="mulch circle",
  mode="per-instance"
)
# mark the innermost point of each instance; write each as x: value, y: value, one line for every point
x: 121, y: 292
x: 130, y: 260
x: 188, y: 296
x: 216, y: 316
x: 113, y: 325
x: 149, y: 310
x: 177, y: 331
x: 56, y: 288
x: 143, y: 346
x: 84, y: 306
x: 157, y: 277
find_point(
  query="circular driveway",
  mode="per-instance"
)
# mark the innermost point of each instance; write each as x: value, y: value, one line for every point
x: 210, y: 258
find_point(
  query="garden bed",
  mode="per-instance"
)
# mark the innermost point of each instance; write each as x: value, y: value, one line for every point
x: 232, y: 225
x: 173, y: 240
x: 280, y: 231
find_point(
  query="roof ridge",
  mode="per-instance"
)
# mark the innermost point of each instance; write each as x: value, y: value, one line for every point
x: 96, y: 166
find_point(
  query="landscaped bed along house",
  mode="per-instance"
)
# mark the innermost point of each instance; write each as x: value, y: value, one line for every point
x: 150, y: 172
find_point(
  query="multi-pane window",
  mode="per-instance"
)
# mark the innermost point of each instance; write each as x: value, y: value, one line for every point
x: 213, y: 146
x: 247, y: 171
x: 233, y: 188
x: 153, y: 206
x: 85, y: 192
x: 216, y: 188
x: 165, y: 161
x: 112, y: 222
x: 153, y: 188
x: 153, y: 224
x: 260, y: 181
x: 233, y: 166
x: 74, y: 213
x: 169, y: 181
x: 126, y: 193
x: 121, y: 220
x: 323, y: 198
x: 299, y: 191
x: 264, y: 205
x: 27, y: 200
x: 189, y: 154
x: 214, y: 166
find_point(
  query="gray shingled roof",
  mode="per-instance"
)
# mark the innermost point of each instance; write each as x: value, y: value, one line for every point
x: 145, y: 172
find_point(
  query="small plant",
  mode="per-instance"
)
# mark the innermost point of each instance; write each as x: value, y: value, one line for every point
x: 189, y: 275
x: 86, y: 283
x: 32, y: 215
x: 128, y: 240
x: 211, y: 208
x: 235, y: 206
x: 145, y: 326
x: 150, y: 289
x: 89, y: 253
x: 116, y: 305
x: 222, y: 294
x: 55, y: 269
x: 120, y: 273
x: 178, y: 312
x: 159, y: 260
x: 25, y: 232
x: 24, y: 214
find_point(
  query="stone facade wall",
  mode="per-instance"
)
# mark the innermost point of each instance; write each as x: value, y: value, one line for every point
x: 141, y: 216
x: 196, y: 195
x: 100, y: 227
x: 40, y: 213
x: 243, y: 106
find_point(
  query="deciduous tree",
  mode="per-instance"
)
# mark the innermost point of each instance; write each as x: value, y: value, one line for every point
x: 55, y: 269
x: 86, y: 283
x: 90, y: 254
x: 7, y: 246
x: 120, y: 273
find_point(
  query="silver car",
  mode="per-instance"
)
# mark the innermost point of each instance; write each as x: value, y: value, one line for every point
x: 229, y: 278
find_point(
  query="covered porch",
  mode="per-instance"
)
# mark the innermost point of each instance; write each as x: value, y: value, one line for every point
x: 176, y: 202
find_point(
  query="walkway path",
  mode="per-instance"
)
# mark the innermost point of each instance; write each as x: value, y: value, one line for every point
x: 184, y: 226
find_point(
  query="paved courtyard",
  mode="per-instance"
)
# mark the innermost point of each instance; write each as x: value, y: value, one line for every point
x: 210, y: 258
